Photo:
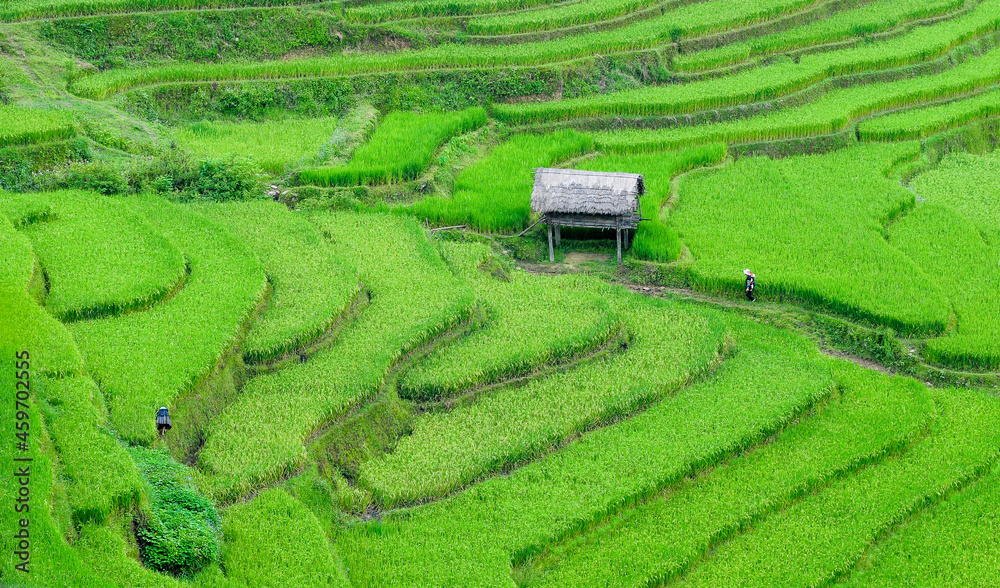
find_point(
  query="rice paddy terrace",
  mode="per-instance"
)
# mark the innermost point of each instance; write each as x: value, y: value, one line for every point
x: 305, y: 228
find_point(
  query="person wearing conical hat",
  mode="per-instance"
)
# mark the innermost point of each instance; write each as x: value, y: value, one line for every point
x: 751, y: 284
x: 163, y: 420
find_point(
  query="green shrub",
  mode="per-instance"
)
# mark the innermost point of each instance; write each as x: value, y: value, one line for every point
x: 231, y: 178
x: 182, y: 534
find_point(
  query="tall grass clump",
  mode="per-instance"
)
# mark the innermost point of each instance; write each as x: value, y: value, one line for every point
x: 924, y: 122
x: 24, y: 126
x: 494, y: 194
x: 401, y: 148
x: 655, y: 239
x: 813, y: 229
x: 273, y: 144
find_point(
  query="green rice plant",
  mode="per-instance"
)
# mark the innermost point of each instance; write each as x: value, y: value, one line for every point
x: 401, y: 148
x: 690, y: 20
x: 825, y: 535
x: 555, y: 17
x: 654, y: 239
x: 924, y: 122
x: 385, y: 11
x: 532, y: 322
x: 766, y: 83
x: 52, y: 561
x: 274, y: 144
x: 872, y: 417
x: 146, y: 360
x: 35, y: 9
x: 51, y: 345
x: 966, y: 183
x: 812, y: 228
x: 952, y: 252
x: 867, y: 19
x: 469, y: 539
x: 494, y: 194
x: 831, y: 113
x: 101, y: 477
x: 274, y: 540
x: 312, y: 284
x: 953, y: 543
x: 414, y: 296
x: 101, y: 258
x: 23, y: 126
x: 667, y: 349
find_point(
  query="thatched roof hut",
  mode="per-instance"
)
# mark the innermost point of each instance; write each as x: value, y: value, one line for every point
x: 577, y: 198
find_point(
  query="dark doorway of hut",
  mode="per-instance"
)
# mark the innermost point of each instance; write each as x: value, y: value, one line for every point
x: 598, y: 200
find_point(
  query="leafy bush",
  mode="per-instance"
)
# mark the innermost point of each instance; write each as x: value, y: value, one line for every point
x: 182, y: 534
x: 232, y: 178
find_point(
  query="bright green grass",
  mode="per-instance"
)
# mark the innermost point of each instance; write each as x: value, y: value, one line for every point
x: 872, y: 416
x: 446, y: 451
x: 825, y: 535
x: 274, y: 541
x: 273, y: 144
x: 22, y: 126
x: 924, y: 122
x: 49, y: 343
x: 401, y: 147
x: 470, y: 539
x: 101, y: 258
x: 24, y: 326
x: 532, y: 322
x: 413, y: 297
x: 494, y: 194
x: 766, y: 83
x: 655, y: 240
x: 831, y: 113
x: 100, y: 476
x: 694, y: 19
x: 873, y: 18
x: 34, y: 9
x: 312, y: 283
x: 951, y: 544
x: 966, y: 183
x: 810, y: 227
x: 146, y: 360
x: 564, y: 15
x: 383, y: 11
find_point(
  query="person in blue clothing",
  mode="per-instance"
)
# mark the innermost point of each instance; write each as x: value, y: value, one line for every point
x: 163, y: 420
x: 751, y: 284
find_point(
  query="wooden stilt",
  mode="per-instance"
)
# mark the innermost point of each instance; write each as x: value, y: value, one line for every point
x: 558, y: 236
x: 618, y: 235
x: 552, y: 251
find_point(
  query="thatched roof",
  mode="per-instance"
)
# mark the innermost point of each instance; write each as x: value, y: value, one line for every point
x: 573, y: 191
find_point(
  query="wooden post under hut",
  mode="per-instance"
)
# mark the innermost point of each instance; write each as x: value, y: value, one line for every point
x: 577, y: 198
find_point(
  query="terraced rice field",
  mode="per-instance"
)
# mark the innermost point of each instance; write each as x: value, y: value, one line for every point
x: 306, y: 229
